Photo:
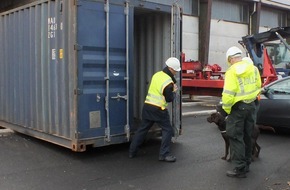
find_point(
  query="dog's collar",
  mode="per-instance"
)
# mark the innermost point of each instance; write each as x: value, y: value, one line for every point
x: 223, y: 132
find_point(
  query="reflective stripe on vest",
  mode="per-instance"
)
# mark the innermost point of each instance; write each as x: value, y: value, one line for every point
x: 155, y: 93
x: 243, y: 93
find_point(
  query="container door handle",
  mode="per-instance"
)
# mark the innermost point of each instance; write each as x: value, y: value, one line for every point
x: 118, y: 97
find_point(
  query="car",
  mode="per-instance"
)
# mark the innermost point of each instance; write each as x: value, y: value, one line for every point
x: 274, y: 108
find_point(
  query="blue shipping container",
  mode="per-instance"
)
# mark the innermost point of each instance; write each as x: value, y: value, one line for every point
x: 75, y: 73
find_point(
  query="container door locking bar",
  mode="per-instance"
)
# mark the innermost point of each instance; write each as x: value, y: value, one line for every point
x: 107, y: 78
x: 118, y: 97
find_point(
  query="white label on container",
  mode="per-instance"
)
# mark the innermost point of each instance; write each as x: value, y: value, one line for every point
x: 52, y: 27
x: 53, y: 54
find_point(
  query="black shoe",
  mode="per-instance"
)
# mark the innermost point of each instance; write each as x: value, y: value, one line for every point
x: 168, y: 158
x: 236, y: 173
x: 132, y: 155
x: 247, y: 169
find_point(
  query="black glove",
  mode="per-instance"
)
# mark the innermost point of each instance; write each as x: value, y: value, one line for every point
x: 219, y: 108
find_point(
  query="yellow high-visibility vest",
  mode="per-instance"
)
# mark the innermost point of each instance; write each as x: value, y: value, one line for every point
x: 155, y: 93
x: 242, y: 83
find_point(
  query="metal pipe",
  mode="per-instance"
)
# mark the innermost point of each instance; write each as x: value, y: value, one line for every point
x: 127, y: 127
x: 175, y: 26
x: 251, y: 17
x: 172, y: 30
x: 107, y: 71
x: 282, y: 40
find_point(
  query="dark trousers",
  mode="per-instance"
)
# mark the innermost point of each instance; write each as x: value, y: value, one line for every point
x: 151, y: 115
x: 239, y: 127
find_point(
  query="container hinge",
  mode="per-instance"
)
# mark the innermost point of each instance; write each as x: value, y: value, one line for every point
x: 106, y: 6
x: 107, y: 133
x: 77, y: 3
x: 61, y: 6
x: 126, y: 10
x: 127, y: 131
x: 78, y: 91
x: 77, y: 135
x: 78, y: 47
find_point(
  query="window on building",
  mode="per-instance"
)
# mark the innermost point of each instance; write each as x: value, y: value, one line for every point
x: 272, y: 18
x: 230, y: 10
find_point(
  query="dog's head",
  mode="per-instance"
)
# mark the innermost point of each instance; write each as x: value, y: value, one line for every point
x: 219, y: 120
x: 218, y: 117
x: 214, y: 118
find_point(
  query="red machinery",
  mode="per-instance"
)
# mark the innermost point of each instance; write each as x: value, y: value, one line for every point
x: 198, y: 80
x: 269, y: 73
x: 209, y: 80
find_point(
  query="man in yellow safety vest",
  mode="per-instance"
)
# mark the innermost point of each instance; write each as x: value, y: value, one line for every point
x: 242, y: 85
x: 161, y: 91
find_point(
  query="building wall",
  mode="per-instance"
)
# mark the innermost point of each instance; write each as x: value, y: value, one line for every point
x: 190, y: 37
x: 225, y: 33
x: 223, y: 36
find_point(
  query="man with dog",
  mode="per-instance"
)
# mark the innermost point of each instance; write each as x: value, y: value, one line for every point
x: 242, y: 85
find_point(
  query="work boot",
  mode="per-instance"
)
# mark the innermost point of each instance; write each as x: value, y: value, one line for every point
x: 247, y: 169
x: 132, y: 154
x: 168, y: 158
x: 236, y: 173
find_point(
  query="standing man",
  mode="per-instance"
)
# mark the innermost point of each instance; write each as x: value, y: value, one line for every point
x: 161, y: 91
x: 241, y: 88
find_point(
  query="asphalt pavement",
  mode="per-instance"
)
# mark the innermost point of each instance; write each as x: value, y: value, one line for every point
x: 31, y: 164
x: 199, y: 105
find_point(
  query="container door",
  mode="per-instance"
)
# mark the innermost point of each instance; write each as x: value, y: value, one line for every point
x: 176, y: 52
x: 103, y: 37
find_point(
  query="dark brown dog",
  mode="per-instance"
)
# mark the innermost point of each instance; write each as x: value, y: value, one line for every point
x: 219, y: 120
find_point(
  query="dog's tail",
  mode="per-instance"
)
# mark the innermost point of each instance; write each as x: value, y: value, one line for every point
x: 267, y: 128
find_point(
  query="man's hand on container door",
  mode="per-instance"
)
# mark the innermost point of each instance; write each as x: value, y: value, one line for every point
x: 175, y: 88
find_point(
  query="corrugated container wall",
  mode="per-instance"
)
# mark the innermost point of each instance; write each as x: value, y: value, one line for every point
x: 75, y: 73
x: 38, y: 71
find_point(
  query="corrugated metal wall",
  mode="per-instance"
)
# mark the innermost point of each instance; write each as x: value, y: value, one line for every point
x: 36, y: 79
x: 64, y: 68
x: 152, y: 34
x: 10, y: 4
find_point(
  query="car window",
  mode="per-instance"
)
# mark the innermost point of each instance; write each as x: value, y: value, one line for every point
x: 281, y: 87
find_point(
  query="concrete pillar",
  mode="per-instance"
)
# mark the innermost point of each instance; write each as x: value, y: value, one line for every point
x: 204, y: 30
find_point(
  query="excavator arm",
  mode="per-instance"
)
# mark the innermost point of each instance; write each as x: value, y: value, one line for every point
x: 255, y: 46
